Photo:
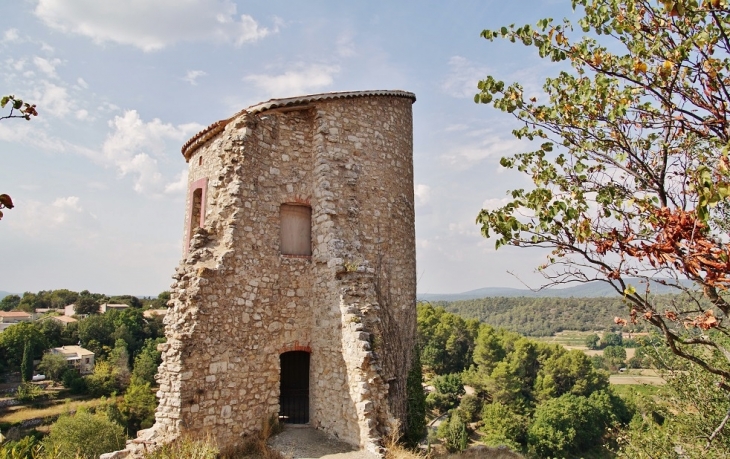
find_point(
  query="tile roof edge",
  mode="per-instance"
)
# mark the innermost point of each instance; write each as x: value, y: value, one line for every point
x: 209, y: 132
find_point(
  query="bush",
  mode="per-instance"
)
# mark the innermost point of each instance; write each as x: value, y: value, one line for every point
x: 84, y: 435
x: 471, y: 406
x: 185, y: 448
x: 27, y: 392
x: 73, y: 381
x: 53, y: 365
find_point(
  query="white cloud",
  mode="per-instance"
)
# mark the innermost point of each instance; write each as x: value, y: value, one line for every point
x: 494, y: 203
x: 135, y: 146
x: 179, y: 185
x: 345, y: 45
x: 80, y: 81
x: 422, y: 193
x: 82, y: 114
x: 34, y: 217
x: 463, y: 77
x: 486, y: 145
x: 53, y: 99
x: 10, y: 36
x: 301, y: 79
x: 151, y: 25
x: 47, y: 66
x: 192, y: 76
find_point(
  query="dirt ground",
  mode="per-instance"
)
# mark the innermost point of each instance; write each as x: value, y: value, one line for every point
x: 305, y: 442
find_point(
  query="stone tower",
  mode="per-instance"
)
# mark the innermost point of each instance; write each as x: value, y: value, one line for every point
x: 296, y: 293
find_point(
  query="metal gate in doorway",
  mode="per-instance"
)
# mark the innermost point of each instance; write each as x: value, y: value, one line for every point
x: 294, y: 387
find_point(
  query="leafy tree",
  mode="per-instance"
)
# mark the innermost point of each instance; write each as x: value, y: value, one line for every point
x: 611, y: 339
x: 415, y: 428
x: 615, y: 355
x: 84, y: 435
x: 454, y: 432
x: 683, y: 416
x: 26, y: 365
x: 72, y: 380
x: 62, y: 297
x: 631, y: 177
x: 471, y: 407
x: 104, y: 381
x: 119, y: 358
x: 569, y: 372
x: 503, y: 427
x: 9, y: 302
x: 70, y: 334
x: 592, y: 341
x: 53, y: 365
x: 139, y: 406
x: 52, y: 331
x: 567, y: 425
x: 149, y: 359
x: 13, y: 341
x: 86, y: 304
x: 95, y: 332
x: 448, y: 389
x: 447, y: 339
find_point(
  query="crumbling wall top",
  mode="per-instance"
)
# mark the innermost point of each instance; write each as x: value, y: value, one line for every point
x: 211, y: 131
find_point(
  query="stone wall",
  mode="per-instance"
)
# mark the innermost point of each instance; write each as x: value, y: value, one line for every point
x: 238, y: 303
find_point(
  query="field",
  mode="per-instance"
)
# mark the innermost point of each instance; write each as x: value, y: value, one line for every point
x: 575, y: 340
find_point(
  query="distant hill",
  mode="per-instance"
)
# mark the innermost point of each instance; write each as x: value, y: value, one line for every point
x: 595, y: 289
x: 4, y: 294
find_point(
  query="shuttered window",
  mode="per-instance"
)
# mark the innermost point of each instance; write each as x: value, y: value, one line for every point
x: 296, y: 230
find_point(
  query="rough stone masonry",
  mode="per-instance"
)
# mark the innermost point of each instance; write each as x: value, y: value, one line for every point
x: 299, y: 241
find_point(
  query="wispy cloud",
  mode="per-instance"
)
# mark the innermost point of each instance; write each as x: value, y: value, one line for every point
x: 461, y: 82
x: 301, y: 78
x: 134, y: 147
x: 192, y: 76
x: 151, y: 25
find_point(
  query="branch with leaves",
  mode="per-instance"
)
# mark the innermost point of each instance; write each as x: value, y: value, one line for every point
x: 18, y: 109
x: 631, y: 178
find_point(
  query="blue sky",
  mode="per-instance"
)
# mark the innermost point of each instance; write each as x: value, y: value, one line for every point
x: 98, y: 178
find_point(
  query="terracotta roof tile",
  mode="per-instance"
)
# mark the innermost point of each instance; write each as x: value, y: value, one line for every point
x: 206, y: 134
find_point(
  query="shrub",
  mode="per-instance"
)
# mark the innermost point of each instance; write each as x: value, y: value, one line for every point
x: 27, y: 392
x: 84, y: 435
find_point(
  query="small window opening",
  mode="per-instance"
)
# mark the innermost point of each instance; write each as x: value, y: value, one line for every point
x: 296, y: 230
x: 196, y: 209
x: 200, y: 160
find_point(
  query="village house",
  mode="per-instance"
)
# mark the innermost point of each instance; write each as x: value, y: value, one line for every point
x: 78, y: 358
x: 14, y: 317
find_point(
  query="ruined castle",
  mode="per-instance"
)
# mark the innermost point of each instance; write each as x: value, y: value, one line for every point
x: 296, y: 293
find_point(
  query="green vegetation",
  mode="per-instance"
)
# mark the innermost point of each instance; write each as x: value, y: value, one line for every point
x: 126, y: 360
x: 84, y: 435
x: 534, y: 397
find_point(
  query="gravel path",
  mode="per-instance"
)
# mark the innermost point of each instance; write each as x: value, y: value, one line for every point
x: 304, y: 442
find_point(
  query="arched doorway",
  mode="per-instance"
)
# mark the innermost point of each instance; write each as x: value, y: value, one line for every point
x: 294, y: 387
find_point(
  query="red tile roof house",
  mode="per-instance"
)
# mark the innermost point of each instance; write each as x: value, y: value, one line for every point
x: 13, y: 317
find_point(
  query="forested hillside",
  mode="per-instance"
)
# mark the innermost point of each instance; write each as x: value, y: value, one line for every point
x: 546, y: 316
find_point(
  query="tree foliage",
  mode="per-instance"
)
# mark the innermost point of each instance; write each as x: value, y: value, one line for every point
x: 26, y: 364
x: 631, y: 175
x: 18, y: 109
x: 84, y: 435
x: 53, y: 365
x: 415, y: 428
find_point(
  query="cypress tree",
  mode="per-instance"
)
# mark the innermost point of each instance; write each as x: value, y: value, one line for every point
x: 416, y: 408
x: 26, y: 366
